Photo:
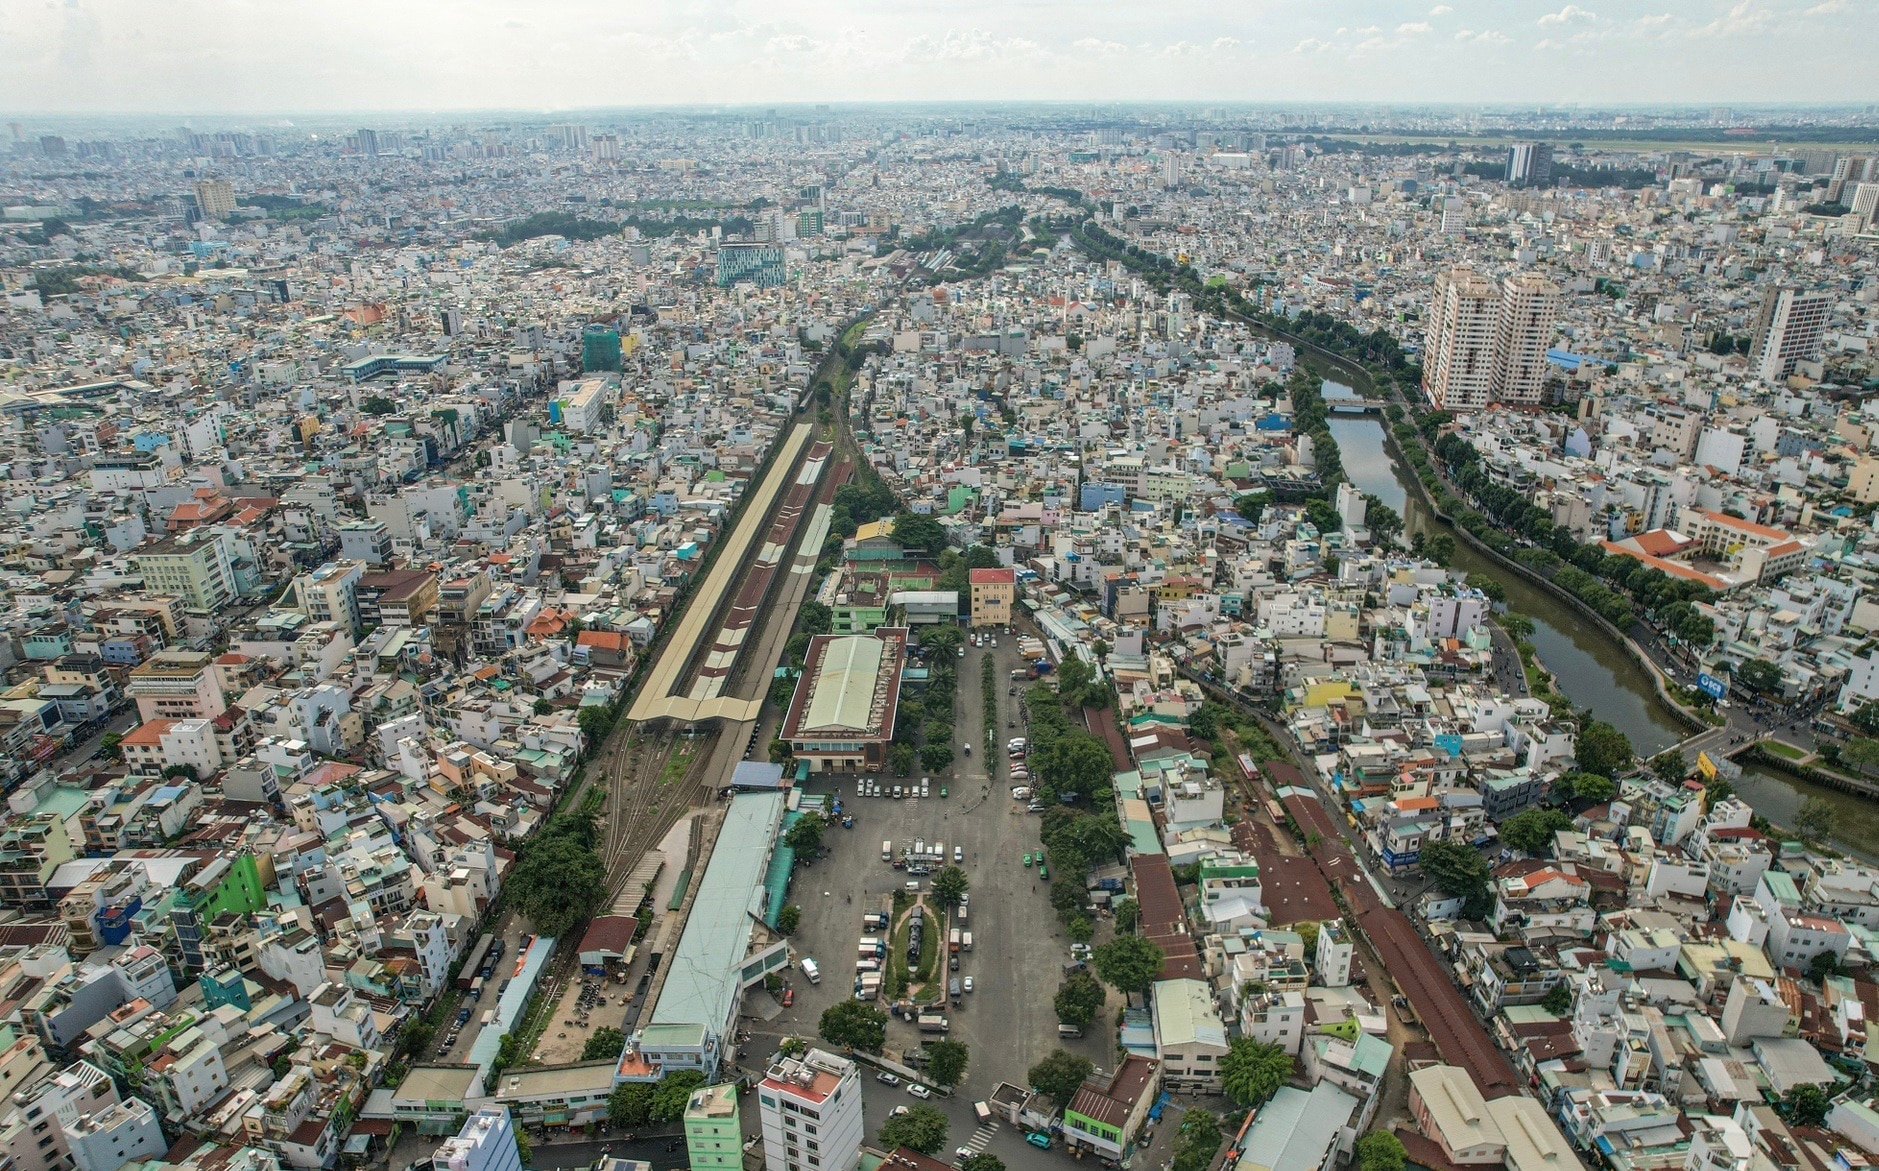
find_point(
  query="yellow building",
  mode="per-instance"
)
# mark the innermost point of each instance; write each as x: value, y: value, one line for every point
x: 993, y: 592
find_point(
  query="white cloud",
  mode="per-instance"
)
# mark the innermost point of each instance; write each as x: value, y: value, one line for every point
x: 1745, y: 17
x: 1416, y: 28
x: 1828, y: 8
x: 1312, y: 45
x: 1567, y: 15
x: 1226, y: 43
x: 1440, y: 10
x: 1098, y: 45
x: 1486, y: 36
x: 1546, y: 43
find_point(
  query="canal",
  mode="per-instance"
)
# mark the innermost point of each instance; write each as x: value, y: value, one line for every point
x: 1591, y: 670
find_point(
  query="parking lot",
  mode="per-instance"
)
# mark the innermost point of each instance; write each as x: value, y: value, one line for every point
x: 1018, y: 948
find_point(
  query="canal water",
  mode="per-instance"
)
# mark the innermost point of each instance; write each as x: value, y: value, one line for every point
x: 1591, y: 670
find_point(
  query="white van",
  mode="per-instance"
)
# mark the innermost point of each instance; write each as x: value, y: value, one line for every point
x: 887, y: 851
x: 810, y: 970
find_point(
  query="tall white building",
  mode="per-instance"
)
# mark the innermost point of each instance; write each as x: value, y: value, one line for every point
x: 1529, y: 307
x: 811, y: 1108
x: 1866, y: 204
x: 486, y: 1143
x: 1171, y: 169
x: 1788, y: 329
x: 1458, y: 344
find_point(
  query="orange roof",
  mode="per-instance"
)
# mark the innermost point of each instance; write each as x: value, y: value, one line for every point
x: 608, y: 640
x: 994, y: 576
x: 1662, y: 542
x: 1406, y: 804
x: 148, y: 734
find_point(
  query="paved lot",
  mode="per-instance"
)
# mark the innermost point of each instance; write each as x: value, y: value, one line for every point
x: 1018, y: 951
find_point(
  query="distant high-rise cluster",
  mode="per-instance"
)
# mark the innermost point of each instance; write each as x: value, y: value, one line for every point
x: 1485, y: 342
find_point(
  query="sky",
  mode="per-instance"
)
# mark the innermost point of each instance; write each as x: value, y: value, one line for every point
x: 262, y: 56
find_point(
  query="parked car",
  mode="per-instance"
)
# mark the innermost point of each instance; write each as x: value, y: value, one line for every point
x: 886, y: 1079
x: 918, y: 1090
x: 1038, y: 1139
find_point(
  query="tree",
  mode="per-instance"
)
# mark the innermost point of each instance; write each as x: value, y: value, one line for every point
x: 1129, y: 963
x: 1076, y: 763
x: 1532, y: 829
x: 181, y: 772
x: 1308, y: 934
x: 921, y: 534
x: 779, y: 752
x: 901, y: 758
x: 595, y: 722
x: 1252, y: 1071
x: 942, y: 639
x: 1196, y: 1143
x: 1060, y: 1076
x: 788, y: 919
x: 1127, y: 911
x: 1558, y: 1000
x: 1458, y: 871
x: 1759, y: 675
x: 805, y: 837
x: 112, y: 745
x: 1441, y: 548
x: 1252, y: 506
x: 922, y: 1128
x: 630, y: 1104
x: 1862, y: 752
x: 1603, y: 749
x: 1814, y: 820
x: 558, y: 883
x: 606, y: 1043
x: 1668, y: 766
x: 672, y: 1092
x: 946, y: 1061
x: 949, y: 886
x: 1823, y: 965
x: 854, y: 1024
x: 1380, y: 1151
x: 542, y: 707
x: 1806, y: 1105
x: 1078, y: 925
x: 934, y: 757
x: 1385, y: 523
x: 1079, y: 1000
x: 524, y: 1149
x: 1591, y: 787
x: 816, y: 618
x: 982, y: 1162
x: 378, y: 404
x: 1866, y: 718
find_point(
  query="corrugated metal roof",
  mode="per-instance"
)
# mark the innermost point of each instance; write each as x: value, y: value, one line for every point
x: 844, y: 688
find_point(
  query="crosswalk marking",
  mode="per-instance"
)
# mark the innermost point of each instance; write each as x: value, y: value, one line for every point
x: 981, y: 1137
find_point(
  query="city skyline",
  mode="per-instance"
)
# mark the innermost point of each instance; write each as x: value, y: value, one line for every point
x: 110, y: 56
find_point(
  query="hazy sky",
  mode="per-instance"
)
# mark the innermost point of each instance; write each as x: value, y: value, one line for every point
x: 212, y: 56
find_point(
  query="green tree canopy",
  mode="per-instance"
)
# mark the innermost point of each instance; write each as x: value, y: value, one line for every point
x: 1669, y: 766
x: 982, y: 1162
x: 921, y: 534
x: 630, y: 1104
x: 805, y: 837
x: 671, y: 1093
x: 1458, y: 871
x: 1252, y: 1071
x: 1814, y: 820
x: 1079, y: 999
x: 605, y: 1043
x: 1532, y: 829
x: 1806, y: 1105
x: 1129, y: 963
x: 946, y: 1061
x: 788, y: 919
x: 949, y: 886
x: 1759, y: 675
x: 1558, y: 1000
x: 1589, y: 787
x: 1196, y: 1143
x: 855, y: 1024
x: 1603, y: 749
x: 595, y: 722
x: 1380, y: 1151
x: 1060, y: 1075
x: 923, y: 1128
